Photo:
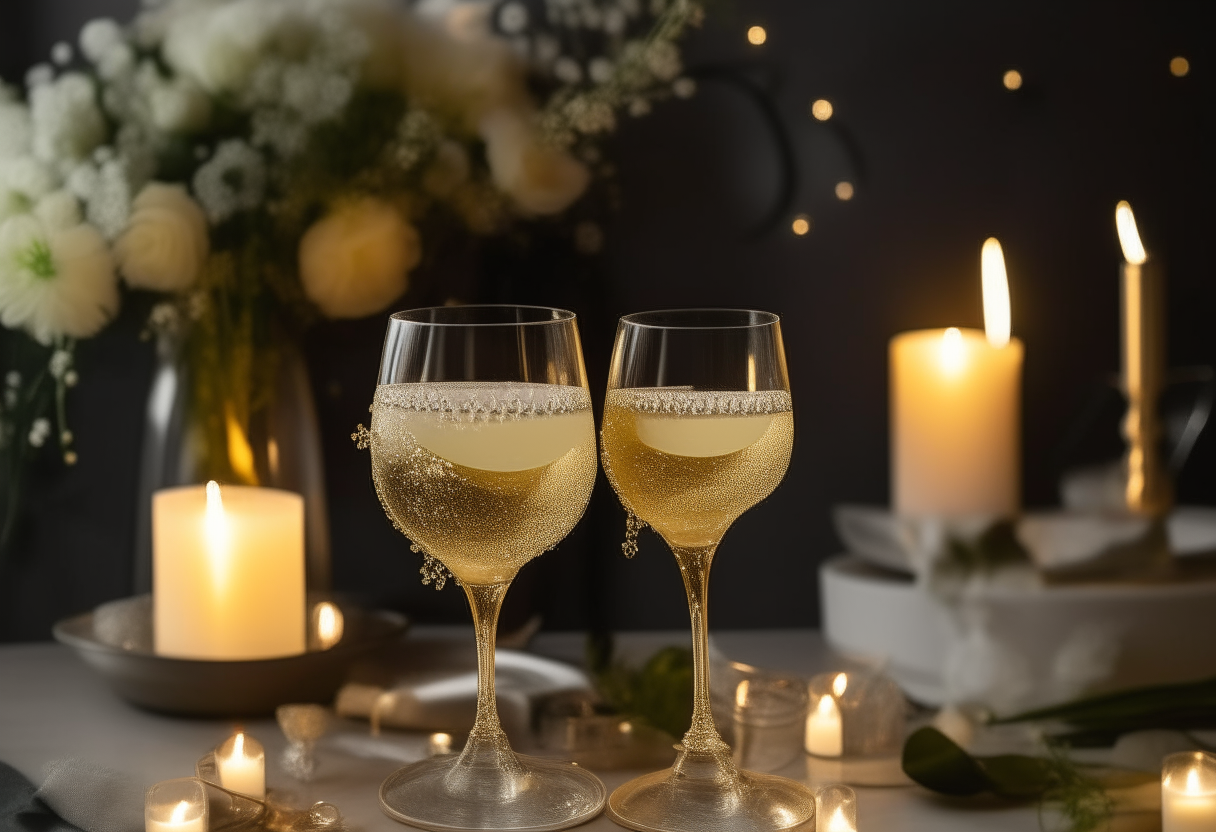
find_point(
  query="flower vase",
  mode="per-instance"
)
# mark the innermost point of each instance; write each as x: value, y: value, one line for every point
x: 278, y: 445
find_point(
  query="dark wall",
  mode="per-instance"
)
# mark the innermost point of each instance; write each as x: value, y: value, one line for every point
x: 941, y: 156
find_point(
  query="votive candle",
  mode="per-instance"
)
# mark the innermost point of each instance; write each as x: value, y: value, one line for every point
x: 1188, y: 792
x: 176, y: 806
x: 241, y: 762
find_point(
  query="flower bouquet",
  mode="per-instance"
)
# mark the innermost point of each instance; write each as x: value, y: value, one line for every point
x: 262, y: 164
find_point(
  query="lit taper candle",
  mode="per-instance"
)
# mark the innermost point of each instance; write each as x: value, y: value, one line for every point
x: 1142, y: 292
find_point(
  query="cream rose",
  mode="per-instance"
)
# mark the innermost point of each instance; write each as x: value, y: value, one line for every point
x: 356, y: 260
x: 165, y: 243
x: 539, y: 178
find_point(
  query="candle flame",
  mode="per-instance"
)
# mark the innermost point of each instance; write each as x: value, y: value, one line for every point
x: 1129, y: 236
x: 826, y: 707
x: 840, y: 684
x: 953, y: 353
x: 1192, y: 783
x: 238, y: 744
x: 330, y: 624
x: 741, y: 693
x: 996, y: 293
x: 840, y: 823
x: 215, y: 527
x: 178, y: 815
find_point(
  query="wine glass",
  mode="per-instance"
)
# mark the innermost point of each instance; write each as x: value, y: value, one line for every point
x: 483, y: 454
x: 698, y: 428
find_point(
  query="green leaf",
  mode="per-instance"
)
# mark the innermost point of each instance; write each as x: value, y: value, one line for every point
x: 939, y: 764
x: 1183, y: 707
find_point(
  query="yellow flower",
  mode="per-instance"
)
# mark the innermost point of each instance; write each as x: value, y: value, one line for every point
x: 356, y: 260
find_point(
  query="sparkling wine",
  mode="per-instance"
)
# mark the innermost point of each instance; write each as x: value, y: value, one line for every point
x: 483, y: 476
x: 690, y: 462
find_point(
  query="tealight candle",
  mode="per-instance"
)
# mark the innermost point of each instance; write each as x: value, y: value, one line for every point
x: 440, y: 744
x: 824, y: 733
x: 228, y: 572
x: 955, y: 402
x: 1188, y: 792
x: 326, y: 625
x: 241, y: 762
x: 176, y: 806
x: 855, y: 714
x: 835, y: 809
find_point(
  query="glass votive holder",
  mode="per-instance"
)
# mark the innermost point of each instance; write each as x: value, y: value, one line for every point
x: 176, y: 806
x: 769, y: 714
x: 835, y: 809
x: 240, y: 762
x: 1188, y: 792
x: 854, y: 714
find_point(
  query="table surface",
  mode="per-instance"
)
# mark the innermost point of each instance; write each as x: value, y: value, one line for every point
x: 53, y: 707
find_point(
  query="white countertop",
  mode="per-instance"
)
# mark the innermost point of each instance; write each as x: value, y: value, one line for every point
x: 53, y: 707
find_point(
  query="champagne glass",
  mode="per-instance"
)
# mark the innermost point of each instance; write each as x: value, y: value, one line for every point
x: 483, y: 454
x: 698, y: 428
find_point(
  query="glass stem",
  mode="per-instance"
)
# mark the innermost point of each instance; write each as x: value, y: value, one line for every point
x: 702, y: 736
x: 486, y: 601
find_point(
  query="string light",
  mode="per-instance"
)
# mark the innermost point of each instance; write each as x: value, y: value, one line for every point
x: 822, y: 109
x: 1012, y: 80
x: 756, y: 35
x: 844, y: 191
x: 1179, y: 66
x: 801, y: 226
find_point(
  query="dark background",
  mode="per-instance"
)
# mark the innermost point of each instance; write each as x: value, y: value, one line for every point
x: 941, y: 156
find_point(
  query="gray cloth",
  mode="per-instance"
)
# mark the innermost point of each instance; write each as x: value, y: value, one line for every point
x: 92, y: 796
x: 20, y: 808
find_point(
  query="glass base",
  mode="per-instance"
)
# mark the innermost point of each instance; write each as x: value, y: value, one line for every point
x: 710, y: 795
x: 443, y: 793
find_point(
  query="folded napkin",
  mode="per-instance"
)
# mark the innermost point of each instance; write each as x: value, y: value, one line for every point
x: 21, y: 810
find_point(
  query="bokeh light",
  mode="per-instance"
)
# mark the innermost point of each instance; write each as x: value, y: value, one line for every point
x: 756, y: 35
x: 801, y: 225
x: 844, y: 191
x: 1012, y: 80
x: 822, y: 109
x: 1179, y: 66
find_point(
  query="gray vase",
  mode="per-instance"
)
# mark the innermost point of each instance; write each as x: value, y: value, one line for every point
x: 286, y: 442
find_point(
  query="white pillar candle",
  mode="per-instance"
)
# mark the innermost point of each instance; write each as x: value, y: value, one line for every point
x: 955, y: 412
x: 176, y: 806
x: 1188, y: 792
x: 824, y: 729
x: 241, y: 763
x: 228, y: 572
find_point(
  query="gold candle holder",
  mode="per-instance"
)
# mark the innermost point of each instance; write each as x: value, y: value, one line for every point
x: 1142, y: 291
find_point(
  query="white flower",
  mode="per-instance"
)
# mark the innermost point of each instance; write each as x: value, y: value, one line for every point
x: 105, y: 189
x: 67, y: 123
x: 232, y: 180
x: 16, y: 128
x: 513, y: 17
x: 175, y: 105
x: 600, y: 69
x: 356, y: 260
x: 56, y: 278
x: 98, y: 37
x: 165, y: 243
x: 219, y: 45
x: 23, y: 181
x: 539, y: 178
x: 465, y: 77
x: 567, y: 70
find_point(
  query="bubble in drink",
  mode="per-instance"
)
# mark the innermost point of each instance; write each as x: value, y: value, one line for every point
x: 688, y: 463
x: 483, y: 476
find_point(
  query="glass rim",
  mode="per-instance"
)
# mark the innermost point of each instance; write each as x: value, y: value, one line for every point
x: 560, y: 315
x: 636, y: 318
